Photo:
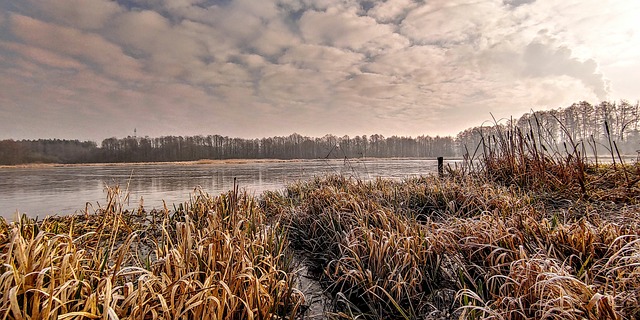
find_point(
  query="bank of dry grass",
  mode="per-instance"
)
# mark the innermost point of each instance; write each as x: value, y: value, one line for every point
x: 462, y: 247
x: 214, y: 258
x: 520, y: 232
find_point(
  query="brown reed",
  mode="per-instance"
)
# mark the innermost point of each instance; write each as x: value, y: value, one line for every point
x: 213, y: 259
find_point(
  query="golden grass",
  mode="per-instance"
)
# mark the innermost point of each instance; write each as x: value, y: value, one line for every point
x: 215, y: 259
x: 523, y: 233
x: 463, y: 247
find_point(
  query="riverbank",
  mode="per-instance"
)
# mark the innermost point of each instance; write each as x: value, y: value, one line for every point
x: 470, y: 248
x: 184, y: 163
x: 211, y: 258
x: 205, y: 162
x: 627, y: 158
x: 494, y: 243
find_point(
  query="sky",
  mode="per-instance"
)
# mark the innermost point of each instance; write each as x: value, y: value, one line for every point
x: 94, y: 69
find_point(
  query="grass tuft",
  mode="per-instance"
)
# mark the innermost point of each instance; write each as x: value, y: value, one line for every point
x: 215, y: 258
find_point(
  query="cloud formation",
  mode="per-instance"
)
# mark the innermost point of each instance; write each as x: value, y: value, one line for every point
x: 542, y: 60
x: 92, y: 69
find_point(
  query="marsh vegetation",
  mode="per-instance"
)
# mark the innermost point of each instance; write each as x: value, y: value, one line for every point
x: 525, y: 229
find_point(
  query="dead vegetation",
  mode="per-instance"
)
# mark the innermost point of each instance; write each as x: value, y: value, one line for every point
x: 523, y: 231
x: 213, y: 258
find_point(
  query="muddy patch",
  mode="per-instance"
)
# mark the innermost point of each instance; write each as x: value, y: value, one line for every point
x: 316, y: 301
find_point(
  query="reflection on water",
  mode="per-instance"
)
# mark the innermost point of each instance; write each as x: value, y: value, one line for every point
x: 64, y: 190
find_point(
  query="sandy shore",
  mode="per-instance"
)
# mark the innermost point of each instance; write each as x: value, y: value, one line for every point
x: 199, y: 162
x: 184, y: 163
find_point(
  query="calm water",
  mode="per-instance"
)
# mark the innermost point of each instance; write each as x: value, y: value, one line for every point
x: 65, y: 190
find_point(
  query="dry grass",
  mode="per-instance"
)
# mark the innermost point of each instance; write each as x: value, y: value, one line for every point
x: 440, y: 248
x: 429, y: 247
x: 521, y: 232
x: 215, y: 258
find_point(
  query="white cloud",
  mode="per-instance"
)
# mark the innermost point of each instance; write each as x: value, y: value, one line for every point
x: 323, y: 58
x: 182, y: 3
x: 83, y: 14
x: 517, y: 3
x: 448, y: 23
x: 89, y: 46
x: 218, y: 46
x: 541, y: 60
x: 223, y: 73
x: 312, y: 66
x: 391, y: 10
x: 592, y: 29
x: 284, y: 84
x: 170, y: 50
x: 42, y: 56
x: 411, y: 63
x: 350, y: 31
x: 253, y: 62
x: 274, y: 38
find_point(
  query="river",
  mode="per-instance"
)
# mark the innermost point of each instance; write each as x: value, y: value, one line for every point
x: 60, y: 190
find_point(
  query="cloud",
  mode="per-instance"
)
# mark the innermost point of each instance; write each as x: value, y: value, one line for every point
x: 274, y: 38
x: 223, y: 73
x: 67, y: 41
x: 284, y: 84
x: 349, y: 31
x: 169, y: 50
x: 82, y: 14
x: 517, y: 3
x: 70, y: 103
x: 542, y: 60
x: 449, y: 23
x: 41, y: 56
x: 255, y: 68
x: 392, y: 10
x: 323, y: 58
x: 414, y: 64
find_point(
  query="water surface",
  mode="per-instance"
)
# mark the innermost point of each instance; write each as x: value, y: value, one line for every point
x: 41, y: 191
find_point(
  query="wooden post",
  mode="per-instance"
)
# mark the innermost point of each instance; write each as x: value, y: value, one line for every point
x: 440, y: 166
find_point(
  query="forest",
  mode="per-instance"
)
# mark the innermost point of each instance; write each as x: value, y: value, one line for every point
x: 602, y: 128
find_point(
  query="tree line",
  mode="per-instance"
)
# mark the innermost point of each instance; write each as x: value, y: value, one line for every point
x: 594, y: 125
x: 178, y: 148
x: 47, y: 151
x: 603, y: 128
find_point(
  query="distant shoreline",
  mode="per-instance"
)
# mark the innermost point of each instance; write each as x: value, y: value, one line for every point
x: 194, y: 162
x: 248, y: 161
x: 199, y: 162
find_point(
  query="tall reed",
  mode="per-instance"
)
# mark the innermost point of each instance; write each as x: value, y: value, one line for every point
x: 472, y: 247
x: 215, y: 258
